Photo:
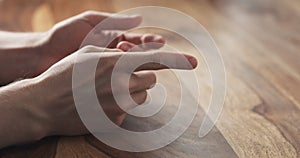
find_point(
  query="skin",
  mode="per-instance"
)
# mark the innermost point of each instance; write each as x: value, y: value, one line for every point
x: 42, y: 104
x: 33, y: 53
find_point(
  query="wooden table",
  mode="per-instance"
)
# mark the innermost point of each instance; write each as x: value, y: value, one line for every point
x: 260, y: 43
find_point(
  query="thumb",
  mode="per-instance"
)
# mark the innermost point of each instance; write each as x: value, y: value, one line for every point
x: 111, y: 21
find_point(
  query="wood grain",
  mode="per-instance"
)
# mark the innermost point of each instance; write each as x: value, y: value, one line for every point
x: 260, y: 43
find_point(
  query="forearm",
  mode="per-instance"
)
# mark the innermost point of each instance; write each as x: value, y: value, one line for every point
x: 19, y: 121
x: 11, y: 40
x: 19, y: 55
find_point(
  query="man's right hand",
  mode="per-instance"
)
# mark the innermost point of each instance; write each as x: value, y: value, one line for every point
x: 44, y: 105
x: 55, y: 89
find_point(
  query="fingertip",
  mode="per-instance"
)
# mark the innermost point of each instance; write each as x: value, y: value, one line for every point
x: 159, y: 39
x: 125, y: 46
x: 193, y: 61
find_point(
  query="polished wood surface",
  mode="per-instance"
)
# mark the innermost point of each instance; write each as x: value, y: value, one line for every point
x: 260, y: 44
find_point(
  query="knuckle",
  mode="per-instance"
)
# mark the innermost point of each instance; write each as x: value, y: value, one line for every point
x: 108, y: 63
x: 147, y: 36
x: 152, y: 78
x: 143, y: 97
x: 89, y: 48
x: 146, y: 39
x: 133, y: 84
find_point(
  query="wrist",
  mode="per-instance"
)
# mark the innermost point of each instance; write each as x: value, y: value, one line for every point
x: 48, y: 51
x: 36, y: 114
x: 31, y: 108
x: 21, y: 121
x: 20, y: 55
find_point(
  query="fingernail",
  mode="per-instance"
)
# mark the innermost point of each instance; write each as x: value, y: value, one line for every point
x: 193, y: 61
x: 125, y: 47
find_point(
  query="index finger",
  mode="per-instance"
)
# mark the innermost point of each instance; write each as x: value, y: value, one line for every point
x: 158, y: 61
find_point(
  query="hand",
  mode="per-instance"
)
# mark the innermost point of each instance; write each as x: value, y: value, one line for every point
x: 34, y: 53
x: 67, y: 36
x: 55, y: 86
x: 44, y: 105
